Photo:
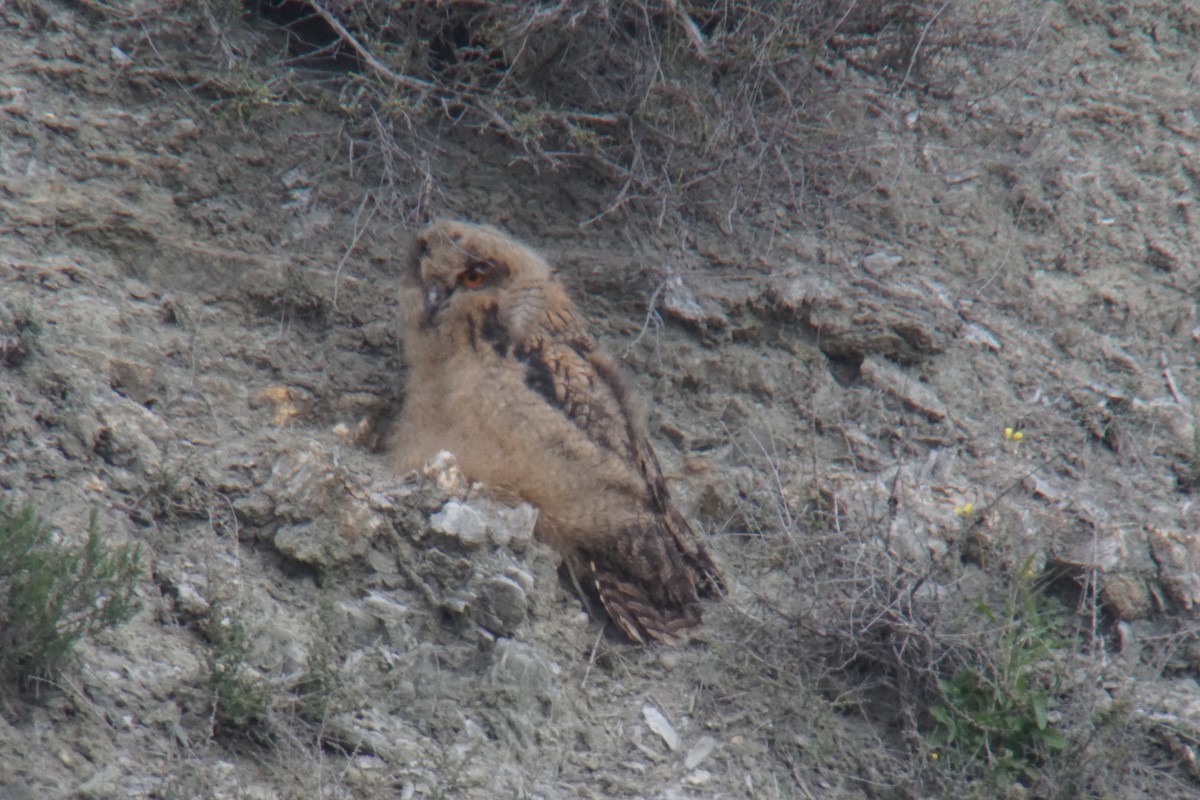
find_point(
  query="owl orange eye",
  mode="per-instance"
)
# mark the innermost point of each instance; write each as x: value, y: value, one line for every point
x: 472, y: 277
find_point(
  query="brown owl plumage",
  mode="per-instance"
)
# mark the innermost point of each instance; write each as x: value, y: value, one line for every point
x: 505, y: 376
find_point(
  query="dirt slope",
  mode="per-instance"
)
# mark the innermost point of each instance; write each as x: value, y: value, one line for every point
x: 197, y: 339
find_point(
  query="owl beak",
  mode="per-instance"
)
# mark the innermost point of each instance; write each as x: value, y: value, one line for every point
x: 435, y: 300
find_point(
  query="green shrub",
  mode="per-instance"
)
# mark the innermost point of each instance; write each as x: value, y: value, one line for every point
x: 998, y: 708
x: 241, y: 697
x: 324, y: 689
x: 53, y: 594
x: 19, y: 332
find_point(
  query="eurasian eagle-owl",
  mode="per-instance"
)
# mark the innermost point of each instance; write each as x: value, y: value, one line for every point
x: 504, y: 374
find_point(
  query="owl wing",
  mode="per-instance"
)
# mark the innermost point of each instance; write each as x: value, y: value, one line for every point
x: 647, y: 572
x: 665, y: 516
x: 572, y: 377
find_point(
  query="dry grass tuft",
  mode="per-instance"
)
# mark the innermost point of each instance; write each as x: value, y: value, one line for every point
x: 713, y: 110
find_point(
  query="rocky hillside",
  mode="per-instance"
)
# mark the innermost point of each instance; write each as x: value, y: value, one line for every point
x: 932, y: 405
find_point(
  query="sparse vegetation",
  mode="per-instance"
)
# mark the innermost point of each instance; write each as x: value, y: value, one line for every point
x: 245, y: 701
x: 1188, y: 472
x: 240, y: 696
x: 999, y: 707
x: 664, y: 99
x: 995, y: 687
x: 53, y: 593
x: 323, y: 690
x: 19, y: 332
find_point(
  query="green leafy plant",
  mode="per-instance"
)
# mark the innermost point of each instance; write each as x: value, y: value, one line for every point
x: 240, y: 696
x: 1000, y: 706
x: 52, y: 594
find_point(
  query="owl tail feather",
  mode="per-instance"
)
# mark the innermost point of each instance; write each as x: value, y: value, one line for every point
x: 645, y: 583
x: 637, y: 615
x: 706, y: 576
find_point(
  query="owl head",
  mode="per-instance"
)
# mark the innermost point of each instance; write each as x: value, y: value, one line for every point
x: 477, y: 283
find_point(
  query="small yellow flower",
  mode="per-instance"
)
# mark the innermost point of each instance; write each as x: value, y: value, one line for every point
x: 964, y: 509
x: 933, y: 756
x: 1013, y: 434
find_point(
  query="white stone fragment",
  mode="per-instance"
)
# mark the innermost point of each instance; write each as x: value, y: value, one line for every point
x: 659, y: 724
x: 462, y: 522
x: 701, y: 750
